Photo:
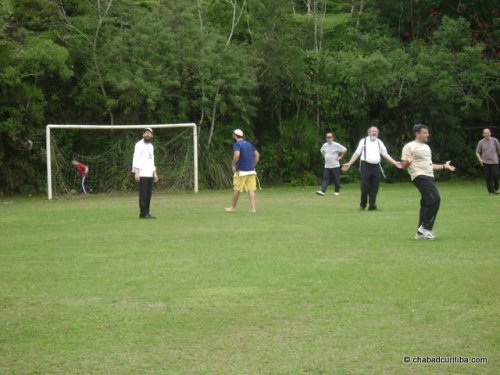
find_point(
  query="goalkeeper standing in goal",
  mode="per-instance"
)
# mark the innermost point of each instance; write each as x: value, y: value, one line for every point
x: 143, y: 167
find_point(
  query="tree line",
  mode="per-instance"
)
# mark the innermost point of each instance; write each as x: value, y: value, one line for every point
x: 285, y: 71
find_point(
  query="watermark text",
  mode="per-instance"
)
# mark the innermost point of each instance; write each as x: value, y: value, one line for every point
x: 447, y: 360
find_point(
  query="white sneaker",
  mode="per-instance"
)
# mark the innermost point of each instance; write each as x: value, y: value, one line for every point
x: 430, y: 235
x: 420, y: 236
x: 319, y: 192
x: 336, y: 193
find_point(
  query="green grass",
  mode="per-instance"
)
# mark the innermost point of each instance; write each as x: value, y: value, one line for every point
x: 308, y: 285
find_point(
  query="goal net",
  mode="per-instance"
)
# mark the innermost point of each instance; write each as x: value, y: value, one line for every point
x: 107, y: 150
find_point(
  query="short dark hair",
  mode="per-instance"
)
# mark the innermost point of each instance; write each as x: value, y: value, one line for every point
x: 418, y: 127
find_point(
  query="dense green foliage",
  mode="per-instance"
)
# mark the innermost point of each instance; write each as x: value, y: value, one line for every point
x: 284, y: 71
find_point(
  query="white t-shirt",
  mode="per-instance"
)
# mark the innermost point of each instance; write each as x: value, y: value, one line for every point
x: 331, y: 154
x: 374, y: 149
x: 422, y: 159
x: 244, y: 173
x: 144, y: 158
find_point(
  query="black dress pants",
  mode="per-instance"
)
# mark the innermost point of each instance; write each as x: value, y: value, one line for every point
x: 491, y: 177
x: 145, y: 192
x: 429, y: 202
x: 370, y: 181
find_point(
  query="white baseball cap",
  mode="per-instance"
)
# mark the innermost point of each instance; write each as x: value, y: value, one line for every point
x: 148, y: 130
x: 238, y: 132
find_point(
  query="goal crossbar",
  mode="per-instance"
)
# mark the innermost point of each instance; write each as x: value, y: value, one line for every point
x: 118, y: 127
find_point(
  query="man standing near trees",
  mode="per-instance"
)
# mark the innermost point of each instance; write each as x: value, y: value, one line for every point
x: 417, y: 157
x: 370, y: 149
x: 144, y: 169
x: 332, y: 152
x: 487, y: 152
x: 245, y: 158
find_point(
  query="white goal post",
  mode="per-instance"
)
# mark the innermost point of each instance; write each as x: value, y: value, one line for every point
x: 116, y: 127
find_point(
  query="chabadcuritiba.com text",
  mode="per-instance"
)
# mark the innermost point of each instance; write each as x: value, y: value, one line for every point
x: 454, y: 359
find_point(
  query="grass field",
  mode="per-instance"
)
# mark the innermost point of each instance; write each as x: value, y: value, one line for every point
x: 308, y: 285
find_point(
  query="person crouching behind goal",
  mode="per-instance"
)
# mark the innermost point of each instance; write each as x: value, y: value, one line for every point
x: 143, y: 167
x: 245, y: 158
x: 83, y: 172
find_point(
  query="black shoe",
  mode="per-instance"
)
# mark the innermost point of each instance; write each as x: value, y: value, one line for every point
x: 374, y: 209
x: 147, y: 216
x: 361, y: 208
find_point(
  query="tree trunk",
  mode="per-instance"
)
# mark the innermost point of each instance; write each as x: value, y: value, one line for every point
x: 235, y: 19
x: 202, y: 117
x: 360, y: 12
x: 93, y: 45
x: 214, y: 113
x: 318, y: 46
x: 234, y: 22
x: 102, y: 18
x: 308, y: 5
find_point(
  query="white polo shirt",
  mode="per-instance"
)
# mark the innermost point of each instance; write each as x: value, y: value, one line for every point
x: 144, y: 159
x: 374, y: 149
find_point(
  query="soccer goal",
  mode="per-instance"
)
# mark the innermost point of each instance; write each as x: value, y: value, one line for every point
x: 108, y: 150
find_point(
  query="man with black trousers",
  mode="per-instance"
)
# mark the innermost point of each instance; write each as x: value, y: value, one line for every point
x: 369, y: 150
x: 417, y: 158
x: 332, y: 152
x: 487, y: 152
x: 143, y: 167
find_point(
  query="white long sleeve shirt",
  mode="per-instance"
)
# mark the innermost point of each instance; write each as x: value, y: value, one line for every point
x: 144, y: 159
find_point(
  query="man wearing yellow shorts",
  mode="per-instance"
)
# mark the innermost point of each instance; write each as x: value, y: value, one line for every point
x: 245, y: 158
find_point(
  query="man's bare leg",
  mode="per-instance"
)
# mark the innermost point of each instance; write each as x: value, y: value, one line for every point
x: 234, y: 202
x: 251, y: 195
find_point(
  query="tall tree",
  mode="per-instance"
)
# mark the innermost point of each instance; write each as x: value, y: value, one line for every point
x: 98, y: 14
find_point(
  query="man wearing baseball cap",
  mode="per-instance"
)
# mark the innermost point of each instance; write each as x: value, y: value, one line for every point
x: 143, y: 167
x: 245, y: 158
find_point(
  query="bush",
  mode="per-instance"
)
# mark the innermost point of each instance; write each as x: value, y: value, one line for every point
x: 295, y: 156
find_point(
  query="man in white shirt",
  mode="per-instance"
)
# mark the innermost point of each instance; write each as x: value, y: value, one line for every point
x: 369, y: 150
x: 332, y: 152
x: 143, y: 167
x: 417, y: 157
